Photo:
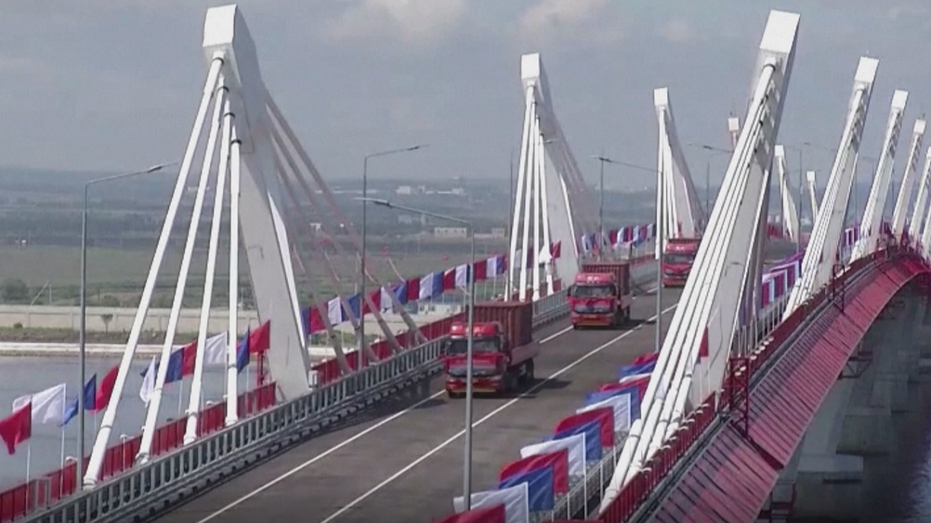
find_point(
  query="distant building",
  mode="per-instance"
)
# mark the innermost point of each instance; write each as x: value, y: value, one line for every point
x: 450, y: 232
x: 315, y: 226
x: 404, y: 189
x: 498, y: 232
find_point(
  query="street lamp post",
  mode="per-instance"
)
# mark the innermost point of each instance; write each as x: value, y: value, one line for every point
x: 602, y: 159
x: 659, y: 239
x: 365, y: 193
x: 82, y: 336
x: 467, y: 464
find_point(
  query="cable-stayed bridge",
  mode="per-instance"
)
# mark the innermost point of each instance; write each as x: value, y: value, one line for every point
x: 718, y: 425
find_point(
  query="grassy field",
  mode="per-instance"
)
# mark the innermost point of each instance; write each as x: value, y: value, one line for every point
x: 116, y: 277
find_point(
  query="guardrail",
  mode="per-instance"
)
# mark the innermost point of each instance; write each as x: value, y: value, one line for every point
x: 698, y: 426
x: 245, y: 442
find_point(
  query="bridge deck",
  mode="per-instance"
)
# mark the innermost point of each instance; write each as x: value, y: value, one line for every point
x: 730, y: 479
x: 406, y: 457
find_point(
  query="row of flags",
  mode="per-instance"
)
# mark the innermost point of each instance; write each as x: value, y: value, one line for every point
x: 632, y: 234
x: 52, y: 406
x: 419, y: 288
x: 436, y: 283
x: 548, y: 469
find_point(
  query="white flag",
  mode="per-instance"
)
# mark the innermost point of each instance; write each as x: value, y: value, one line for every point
x: 574, y: 445
x: 48, y: 406
x: 515, y: 499
x: 621, y: 406
x: 215, y: 350
x: 148, y: 382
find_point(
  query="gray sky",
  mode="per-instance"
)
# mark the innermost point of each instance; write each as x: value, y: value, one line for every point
x: 107, y: 85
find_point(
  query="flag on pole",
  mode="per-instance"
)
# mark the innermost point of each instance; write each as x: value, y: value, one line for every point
x: 17, y: 427
x: 215, y: 350
x: 242, y: 351
x: 47, y: 406
x: 148, y: 381
x: 90, y: 400
x: 106, y: 389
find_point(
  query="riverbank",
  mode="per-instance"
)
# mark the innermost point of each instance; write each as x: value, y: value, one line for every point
x: 67, y: 350
x: 42, y: 335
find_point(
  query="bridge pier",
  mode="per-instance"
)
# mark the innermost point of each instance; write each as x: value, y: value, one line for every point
x: 827, y: 482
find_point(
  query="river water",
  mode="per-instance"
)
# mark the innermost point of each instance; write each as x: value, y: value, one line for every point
x: 19, y: 376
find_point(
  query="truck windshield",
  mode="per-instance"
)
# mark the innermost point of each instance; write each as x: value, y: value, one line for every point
x: 457, y: 346
x: 679, y: 258
x: 593, y: 291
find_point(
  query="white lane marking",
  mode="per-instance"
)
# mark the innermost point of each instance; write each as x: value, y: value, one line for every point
x: 490, y: 415
x: 555, y: 335
x: 233, y: 504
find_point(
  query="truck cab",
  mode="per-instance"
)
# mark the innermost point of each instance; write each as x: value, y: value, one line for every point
x: 678, y: 258
x: 498, y: 364
x: 600, y: 296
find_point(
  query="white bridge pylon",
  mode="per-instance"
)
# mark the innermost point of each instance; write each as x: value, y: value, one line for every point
x: 551, y: 196
x: 903, y: 202
x: 790, y: 225
x: 718, y: 304
x: 683, y: 215
x: 871, y: 226
x: 822, y: 250
x: 251, y: 149
x: 812, y: 178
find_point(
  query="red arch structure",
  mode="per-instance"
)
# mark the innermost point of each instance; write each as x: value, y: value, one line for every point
x: 724, y: 462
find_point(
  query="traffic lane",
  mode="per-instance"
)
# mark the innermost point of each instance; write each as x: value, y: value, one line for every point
x: 427, y: 483
x: 333, y: 469
x: 352, y: 434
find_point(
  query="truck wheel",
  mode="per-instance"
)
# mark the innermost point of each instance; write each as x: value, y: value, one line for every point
x: 529, y: 376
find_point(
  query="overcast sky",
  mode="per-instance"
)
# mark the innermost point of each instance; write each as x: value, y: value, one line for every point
x: 106, y: 85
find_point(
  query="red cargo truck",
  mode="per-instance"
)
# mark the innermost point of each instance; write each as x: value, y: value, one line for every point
x: 502, y: 349
x: 601, y: 295
x: 678, y: 258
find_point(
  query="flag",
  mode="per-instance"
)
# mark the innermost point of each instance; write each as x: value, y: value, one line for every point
x: 574, y: 445
x: 620, y: 405
x: 515, y: 501
x: 148, y: 381
x: 215, y: 350
x: 48, y: 406
x: 493, y: 514
x: 556, y: 460
x: 243, y: 351
x: 632, y: 391
x: 90, y: 400
x: 540, y: 493
x: 603, y: 416
x: 106, y: 389
x: 16, y: 428
x: 592, y: 434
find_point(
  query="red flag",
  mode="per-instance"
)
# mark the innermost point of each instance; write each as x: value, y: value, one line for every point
x: 17, y: 427
x: 260, y: 339
x: 105, y: 390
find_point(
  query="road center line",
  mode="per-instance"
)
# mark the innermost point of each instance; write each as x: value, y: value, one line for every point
x: 389, y: 419
x: 487, y: 417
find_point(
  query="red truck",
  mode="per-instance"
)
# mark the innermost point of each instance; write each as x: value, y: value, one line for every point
x: 678, y: 259
x: 502, y: 349
x: 600, y: 295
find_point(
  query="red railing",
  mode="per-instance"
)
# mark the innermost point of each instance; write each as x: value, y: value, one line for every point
x: 51, y: 487
x: 639, y: 489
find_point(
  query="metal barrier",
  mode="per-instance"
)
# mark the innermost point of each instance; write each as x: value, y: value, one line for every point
x: 259, y: 436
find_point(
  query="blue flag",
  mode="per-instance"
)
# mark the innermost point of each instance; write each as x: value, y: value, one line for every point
x: 90, y: 401
x: 242, y: 353
x: 592, y: 431
x: 540, y: 492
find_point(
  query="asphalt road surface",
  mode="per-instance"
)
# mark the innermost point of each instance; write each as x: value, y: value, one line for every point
x: 403, y: 460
